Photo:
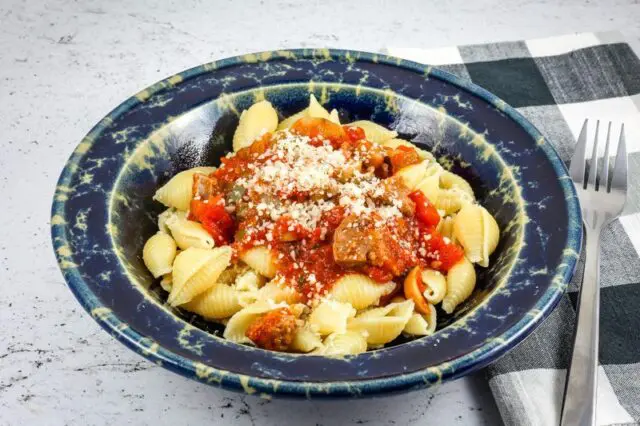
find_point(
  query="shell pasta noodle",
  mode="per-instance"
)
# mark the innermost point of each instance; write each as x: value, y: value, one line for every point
x: 347, y: 343
x: 319, y: 238
x: 260, y: 118
x: 421, y: 325
x: 461, y: 281
x: 158, y: 254
x: 195, y: 270
x: 383, y: 325
x: 177, y: 192
x: 219, y: 302
x: 478, y: 233
x: 305, y: 341
x: 331, y: 317
x: 359, y: 291
x: 188, y: 233
x: 262, y: 260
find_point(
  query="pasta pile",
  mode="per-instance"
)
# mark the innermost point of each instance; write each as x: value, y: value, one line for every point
x: 318, y: 238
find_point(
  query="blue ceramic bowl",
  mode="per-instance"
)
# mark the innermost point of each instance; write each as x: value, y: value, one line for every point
x: 103, y: 213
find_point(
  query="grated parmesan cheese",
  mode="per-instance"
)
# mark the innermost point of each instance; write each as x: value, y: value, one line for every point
x: 323, y: 174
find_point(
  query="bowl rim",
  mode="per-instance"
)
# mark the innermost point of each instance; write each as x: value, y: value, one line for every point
x: 471, y: 361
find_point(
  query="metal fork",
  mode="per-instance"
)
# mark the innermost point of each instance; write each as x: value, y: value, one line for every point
x: 602, y: 200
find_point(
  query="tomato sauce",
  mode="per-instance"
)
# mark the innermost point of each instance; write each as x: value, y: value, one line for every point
x: 235, y: 167
x: 297, y: 262
x: 305, y: 257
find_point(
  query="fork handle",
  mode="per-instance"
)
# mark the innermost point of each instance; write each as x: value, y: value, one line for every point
x: 579, y: 404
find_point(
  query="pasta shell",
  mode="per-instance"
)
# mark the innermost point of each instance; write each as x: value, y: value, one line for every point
x: 382, y: 325
x: 397, y: 299
x: 166, y: 282
x: 331, y: 317
x: 260, y: 118
x: 232, y: 273
x: 347, y: 343
x: 445, y: 228
x: 452, y: 200
x: 277, y: 292
x: 218, y: 302
x: 261, y: 259
x: 421, y: 325
x: 334, y: 116
x: 416, y: 326
x: 412, y: 175
x: 461, y: 280
x: 374, y: 132
x: 378, y: 331
x: 162, y: 220
x: 402, y: 309
x: 177, y: 192
x: 450, y: 180
x: 430, y: 187
x: 436, y: 284
x: 248, y: 284
x: 158, y: 254
x: 305, y: 341
x: 477, y: 231
x: 298, y: 309
x: 394, y: 143
x: 196, y: 270
x: 246, y: 298
x: 188, y: 233
x: 434, y: 168
x: 316, y: 110
x: 248, y: 281
x: 359, y: 290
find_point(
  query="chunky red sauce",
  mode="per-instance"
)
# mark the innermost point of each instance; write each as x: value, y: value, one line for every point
x: 383, y: 248
x: 274, y: 330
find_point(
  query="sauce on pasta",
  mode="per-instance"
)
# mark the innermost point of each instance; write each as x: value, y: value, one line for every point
x: 325, y: 202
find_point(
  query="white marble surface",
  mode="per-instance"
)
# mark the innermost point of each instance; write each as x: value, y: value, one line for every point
x: 64, y: 64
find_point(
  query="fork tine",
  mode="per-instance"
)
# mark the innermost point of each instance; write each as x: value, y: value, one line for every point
x: 619, y: 179
x: 593, y: 170
x: 577, y: 167
x: 604, y: 175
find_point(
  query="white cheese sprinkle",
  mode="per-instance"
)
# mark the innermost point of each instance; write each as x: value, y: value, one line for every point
x: 321, y: 175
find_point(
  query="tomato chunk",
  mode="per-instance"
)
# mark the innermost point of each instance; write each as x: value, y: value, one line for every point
x: 441, y: 253
x: 450, y: 254
x: 214, y: 218
x: 354, y: 133
x: 426, y: 213
x: 403, y: 156
x: 236, y: 166
x: 319, y: 127
x: 204, y: 187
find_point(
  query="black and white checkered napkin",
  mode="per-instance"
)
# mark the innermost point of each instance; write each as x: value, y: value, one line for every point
x: 556, y: 83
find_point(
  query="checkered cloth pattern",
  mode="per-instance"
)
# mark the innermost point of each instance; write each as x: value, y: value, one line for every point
x: 556, y: 83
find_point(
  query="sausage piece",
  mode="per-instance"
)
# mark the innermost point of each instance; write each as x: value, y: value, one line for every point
x: 352, y: 242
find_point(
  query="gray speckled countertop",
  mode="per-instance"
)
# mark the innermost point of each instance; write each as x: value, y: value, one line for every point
x: 64, y: 64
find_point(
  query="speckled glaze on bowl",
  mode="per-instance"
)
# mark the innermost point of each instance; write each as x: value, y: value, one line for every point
x: 103, y: 213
